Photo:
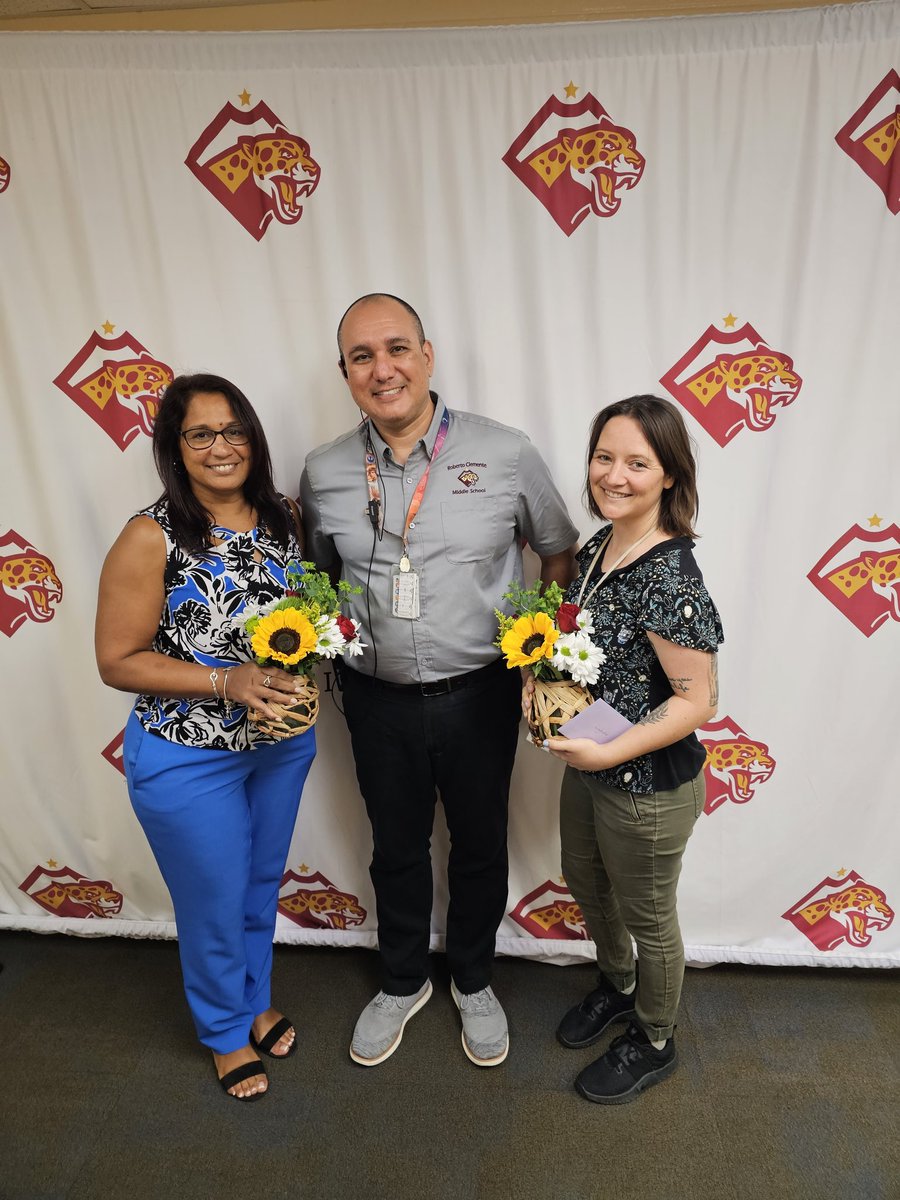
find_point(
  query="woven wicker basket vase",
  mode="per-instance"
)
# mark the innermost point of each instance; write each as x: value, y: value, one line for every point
x: 555, y: 701
x: 295, y: 716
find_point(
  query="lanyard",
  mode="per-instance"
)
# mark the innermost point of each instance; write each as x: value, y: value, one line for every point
x: 416, y: 503
x: 606, y: 574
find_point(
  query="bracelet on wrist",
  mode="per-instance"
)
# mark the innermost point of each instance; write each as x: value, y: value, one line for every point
x: 229, y: 704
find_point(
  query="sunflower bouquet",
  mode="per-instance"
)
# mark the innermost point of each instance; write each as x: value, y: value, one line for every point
x: 552, y: 639
x: 296, y: 633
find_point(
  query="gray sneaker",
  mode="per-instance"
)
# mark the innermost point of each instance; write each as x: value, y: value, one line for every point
x: 485, y: 1036
x: 379, y: 1029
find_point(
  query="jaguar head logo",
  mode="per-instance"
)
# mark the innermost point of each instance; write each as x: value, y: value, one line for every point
x: 576, y: 160
x: 837, y: 911
x: 731, y: 380
x: 118, y: 383
x: 68, y: 893
x: 736, y: 765
x: 860, y: 575
x: 136, y: 384
x: 315, y: 903
x: 255, y: 166
x: 871, y: 138
x: 550, y: 912
x: 30, y: 589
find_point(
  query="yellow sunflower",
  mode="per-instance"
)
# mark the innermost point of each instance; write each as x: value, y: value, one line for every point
x: 285, y: 635
x: 529, y: 640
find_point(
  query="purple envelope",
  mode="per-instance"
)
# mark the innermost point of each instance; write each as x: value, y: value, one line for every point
x: 599, y: 721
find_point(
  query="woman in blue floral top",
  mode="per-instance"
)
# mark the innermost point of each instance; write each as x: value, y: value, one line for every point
x: 217, y: 798
x: 628, y: 806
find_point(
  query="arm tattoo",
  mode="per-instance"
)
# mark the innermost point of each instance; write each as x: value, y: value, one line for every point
x: 681, y: 684
x: 714, y: 680
x: 658, y: 714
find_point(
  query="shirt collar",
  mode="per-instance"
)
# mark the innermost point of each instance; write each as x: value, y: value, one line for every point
x: 428, y: 438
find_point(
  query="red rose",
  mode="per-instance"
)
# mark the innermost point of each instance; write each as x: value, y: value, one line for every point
x: 565, y: 618
x: 346, y: 626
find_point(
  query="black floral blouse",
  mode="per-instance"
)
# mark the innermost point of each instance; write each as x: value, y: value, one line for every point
x: 661, y: 592
x: 206, y: 595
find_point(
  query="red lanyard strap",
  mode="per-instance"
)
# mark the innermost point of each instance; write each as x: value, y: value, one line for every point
x: 416, y: 503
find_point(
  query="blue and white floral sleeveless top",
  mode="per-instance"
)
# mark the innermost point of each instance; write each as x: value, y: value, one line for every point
x: 206, y: 593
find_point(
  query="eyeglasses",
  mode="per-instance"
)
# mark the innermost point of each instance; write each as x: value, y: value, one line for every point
x: 202, y: 439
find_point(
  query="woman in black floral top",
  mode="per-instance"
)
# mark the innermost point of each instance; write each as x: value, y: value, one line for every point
x: 216, y: 797
x: 628, y: 806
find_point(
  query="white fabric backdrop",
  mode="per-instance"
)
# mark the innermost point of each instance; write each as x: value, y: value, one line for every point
x: 749, y: 271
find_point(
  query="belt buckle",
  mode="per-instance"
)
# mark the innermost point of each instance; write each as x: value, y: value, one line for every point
x: 437, y: 687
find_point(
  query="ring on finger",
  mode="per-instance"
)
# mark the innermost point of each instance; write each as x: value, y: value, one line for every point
x: 267, y: 681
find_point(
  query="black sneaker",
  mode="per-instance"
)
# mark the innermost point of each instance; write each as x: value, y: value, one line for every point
x: 630, y: 1065
x: 584, y: 1024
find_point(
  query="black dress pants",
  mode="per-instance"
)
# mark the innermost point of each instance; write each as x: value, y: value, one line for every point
x: 408, y: 747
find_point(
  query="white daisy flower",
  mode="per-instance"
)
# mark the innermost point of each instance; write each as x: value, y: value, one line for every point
x: 585, y: 622
x: 330, y: 640
x: 577, y: 656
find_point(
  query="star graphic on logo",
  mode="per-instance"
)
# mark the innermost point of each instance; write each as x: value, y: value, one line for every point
x: 51, y: 862
x: 571, y: 90
x: 107, y: 327
x: 729, y: 321
x: 303, y: 869
x: 875, y: 521
x: 244, y: 97
x: 842, y: 871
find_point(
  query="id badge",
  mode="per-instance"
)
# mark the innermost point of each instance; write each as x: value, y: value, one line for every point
x: 405, y: 592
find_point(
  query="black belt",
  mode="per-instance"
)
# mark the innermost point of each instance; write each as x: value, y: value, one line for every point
x: 433, y: 687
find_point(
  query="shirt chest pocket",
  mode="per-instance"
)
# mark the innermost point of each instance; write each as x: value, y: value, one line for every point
x: 470, y: 529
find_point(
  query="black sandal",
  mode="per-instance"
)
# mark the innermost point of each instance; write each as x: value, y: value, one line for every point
x: 275, y: 1034
x: 238, y: 1075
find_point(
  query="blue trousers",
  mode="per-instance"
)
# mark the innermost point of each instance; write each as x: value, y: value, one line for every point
x: 219, y: 823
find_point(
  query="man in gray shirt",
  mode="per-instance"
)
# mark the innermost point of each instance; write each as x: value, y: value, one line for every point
x: 426, y: 509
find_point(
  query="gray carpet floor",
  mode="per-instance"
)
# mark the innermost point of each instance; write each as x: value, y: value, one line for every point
x: 789, y: 1087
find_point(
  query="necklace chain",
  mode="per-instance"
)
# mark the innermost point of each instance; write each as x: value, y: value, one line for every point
x: 606, y: 574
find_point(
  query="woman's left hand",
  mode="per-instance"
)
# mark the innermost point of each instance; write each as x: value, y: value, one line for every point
x: 581, y: 753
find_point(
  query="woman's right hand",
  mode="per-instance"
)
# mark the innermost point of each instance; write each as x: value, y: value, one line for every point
x: 258, y: 687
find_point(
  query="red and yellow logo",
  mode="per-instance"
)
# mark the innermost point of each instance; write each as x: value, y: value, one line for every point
x: 735, y: 764
x: 118, y: 383
x: 315, y: 903
x: 113, y: 752
x: 841, y: 910
x: 5, y: 174
x: 550, y: 912
x: 67, y: 893
x: 860, y: 575
x: 255, y: 167
x: 872, y: 138
x: 576, y: 160
x: 731, y: 380
x: 30, y: 588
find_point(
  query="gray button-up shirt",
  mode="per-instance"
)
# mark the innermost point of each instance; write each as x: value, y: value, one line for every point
x: 489, y: 491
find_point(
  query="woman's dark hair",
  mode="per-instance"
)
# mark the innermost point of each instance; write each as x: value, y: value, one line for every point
x: 664, y: 428
x: 190, y: 521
